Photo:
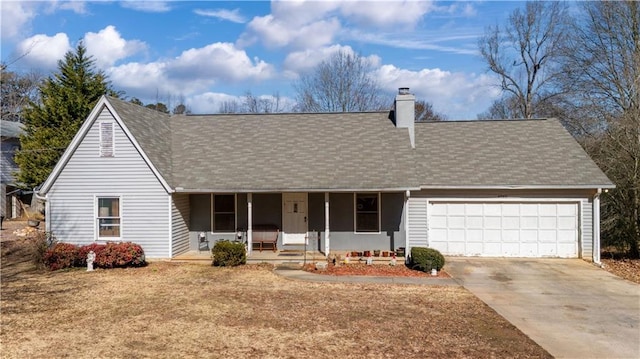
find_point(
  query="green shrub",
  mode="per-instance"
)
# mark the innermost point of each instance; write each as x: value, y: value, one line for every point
x: 61, y: 255
x: 425, y: 259
x: 228, y: 254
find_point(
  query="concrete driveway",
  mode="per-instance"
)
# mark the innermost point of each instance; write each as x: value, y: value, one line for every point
x: 571, y: 308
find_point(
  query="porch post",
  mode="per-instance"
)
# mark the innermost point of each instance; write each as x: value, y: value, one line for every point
x: 327, y: 234
x: 596, y: 228
x: 407, y: 194
x: 249, y: 222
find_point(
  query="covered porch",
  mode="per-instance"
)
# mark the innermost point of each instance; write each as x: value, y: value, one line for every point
x: 296, y: 223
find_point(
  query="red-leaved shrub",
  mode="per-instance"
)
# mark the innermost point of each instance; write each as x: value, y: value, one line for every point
x: 118, y: 255
x: 61, y: 255
x: 84, y: 250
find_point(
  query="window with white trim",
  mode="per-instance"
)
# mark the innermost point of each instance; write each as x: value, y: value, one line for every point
x: 367, y: 208
x: 106, y: 139
x: 108, y: 217
x: 224, y: 213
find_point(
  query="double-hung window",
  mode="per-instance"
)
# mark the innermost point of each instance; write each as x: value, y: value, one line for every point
x: 367, y: 208
x: 108, y: 219
x: 224, y: 213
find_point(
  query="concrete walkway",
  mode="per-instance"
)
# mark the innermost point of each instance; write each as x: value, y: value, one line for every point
x: 299, y: 274
x: 571, y: 308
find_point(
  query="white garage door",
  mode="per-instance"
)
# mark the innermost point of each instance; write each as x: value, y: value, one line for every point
x: 504, y: 229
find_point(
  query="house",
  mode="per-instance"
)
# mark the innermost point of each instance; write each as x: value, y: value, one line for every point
x: 10, y: 193
x: 345, y: 181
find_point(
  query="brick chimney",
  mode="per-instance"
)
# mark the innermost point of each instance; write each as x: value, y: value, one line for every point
x: 405, y: 112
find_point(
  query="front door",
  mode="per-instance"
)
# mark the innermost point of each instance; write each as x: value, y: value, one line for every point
x: 294, y: 218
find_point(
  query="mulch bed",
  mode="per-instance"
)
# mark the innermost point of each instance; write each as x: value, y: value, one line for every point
x: 378, y: 270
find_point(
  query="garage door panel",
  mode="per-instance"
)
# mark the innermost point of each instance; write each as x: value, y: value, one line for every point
x: 525, y: 229
x: 474, y: 209
x: 510, y: 222
x: 474, y: 235
x: 455, y: 209
x: 547, y: 209
x: 456, y: 222
x: 492, y: 222
x: 511, y: 209
x: 492, y: 249
x: 437, y: 222
x: 547, y: 223
x: 456, y: 235
x: 492, y: 209
x: 529, y: 222
x: 567, y: 222
x: 457, y: 248
x: 529, y: 249
x: 511, y: 235
x: 547, y: 236
x: 474, y: 222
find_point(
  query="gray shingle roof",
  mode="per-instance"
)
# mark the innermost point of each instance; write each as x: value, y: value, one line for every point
x: 152, y: 130
x: 503, y: 153
x: 291, y: 152
x: 355, y: 151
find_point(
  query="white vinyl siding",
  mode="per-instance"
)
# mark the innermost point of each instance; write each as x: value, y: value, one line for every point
x: 587, y: 228
x: 418, y: 226
x: 180, y: 214
x: 145, y: 204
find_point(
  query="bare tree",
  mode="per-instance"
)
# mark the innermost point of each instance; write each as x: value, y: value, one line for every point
x: 339, y: 84
x: 253, y: 104
x: 525, y: 55
x: 602, y: 78
x: 425, y: 112
x: 262, y: 104
x: 17, y: 91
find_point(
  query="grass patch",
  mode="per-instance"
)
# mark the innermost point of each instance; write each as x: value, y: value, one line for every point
x: 176, y: 310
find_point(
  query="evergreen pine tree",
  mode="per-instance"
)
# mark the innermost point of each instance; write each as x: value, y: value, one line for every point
x: 66, y: 99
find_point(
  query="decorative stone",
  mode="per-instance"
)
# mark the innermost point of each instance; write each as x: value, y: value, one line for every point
x: 321, y: 265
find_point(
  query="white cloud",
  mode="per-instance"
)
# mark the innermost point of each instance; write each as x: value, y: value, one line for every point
x: 15, y: 16
x: 192, y: 71
x: 223, y: 14
x: 210, y: 102
x: 78, y: 7
x: 42, y: 51
x: 275, y: 33
x: 301, y: 61
x: 452, y: 93
x: 146, y: 6
x: 107, y: 46
x: 383, y: 13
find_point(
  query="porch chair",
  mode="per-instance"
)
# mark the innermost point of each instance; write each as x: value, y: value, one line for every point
x: 202, y: 239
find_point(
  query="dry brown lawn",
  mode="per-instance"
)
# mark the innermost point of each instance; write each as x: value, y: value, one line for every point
x: 192, y: 310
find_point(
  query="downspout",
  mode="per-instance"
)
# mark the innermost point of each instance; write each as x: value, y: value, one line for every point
x: 45, y: 199
x: 596, y: 228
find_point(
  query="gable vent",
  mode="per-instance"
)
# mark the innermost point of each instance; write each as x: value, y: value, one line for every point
x: 106, y: 139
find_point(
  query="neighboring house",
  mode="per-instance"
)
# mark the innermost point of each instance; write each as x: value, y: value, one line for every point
x: 10, y: 193
x: 354, y: 181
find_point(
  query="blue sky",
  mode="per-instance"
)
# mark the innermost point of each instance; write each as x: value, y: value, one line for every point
x: 208, y: 52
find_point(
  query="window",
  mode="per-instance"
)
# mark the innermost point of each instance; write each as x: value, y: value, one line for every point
x: 108, y: 217
x: 224, y: 213
x: 367, y: 212
x: 106, y: 139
